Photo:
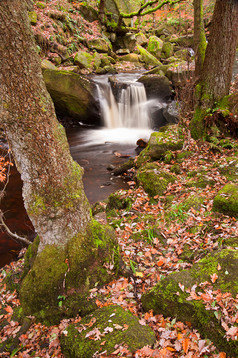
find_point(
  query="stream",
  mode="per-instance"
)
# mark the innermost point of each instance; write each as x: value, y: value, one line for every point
x: 125, y: 120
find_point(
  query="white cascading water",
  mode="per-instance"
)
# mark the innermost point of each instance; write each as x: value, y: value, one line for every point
x: 131, y: 110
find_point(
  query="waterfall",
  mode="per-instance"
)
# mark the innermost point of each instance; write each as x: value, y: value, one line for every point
x: 131, y: 110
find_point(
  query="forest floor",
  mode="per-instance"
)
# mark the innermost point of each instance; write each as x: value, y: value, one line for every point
x: 149, y: 259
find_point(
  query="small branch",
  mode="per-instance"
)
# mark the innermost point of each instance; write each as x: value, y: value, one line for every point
x: 19, y: 238
x: 145, y: 5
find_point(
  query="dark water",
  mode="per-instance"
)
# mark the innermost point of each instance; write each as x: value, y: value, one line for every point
x: 89, y: 149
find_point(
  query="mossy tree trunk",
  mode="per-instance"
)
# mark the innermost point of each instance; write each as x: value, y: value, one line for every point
x: 215, y: 78
x: 199, y: 37
x: 52, y: 182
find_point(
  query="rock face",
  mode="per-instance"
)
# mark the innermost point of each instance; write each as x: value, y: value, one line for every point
x: 181, y: 294
x: 226, y: 201
x: 156, y: 86
x: 72, y: 94
x: 111, y: 325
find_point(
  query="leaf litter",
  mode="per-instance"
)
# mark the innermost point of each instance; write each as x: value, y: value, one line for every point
x: 149, y: 259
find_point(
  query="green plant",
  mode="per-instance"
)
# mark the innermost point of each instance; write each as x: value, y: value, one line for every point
x: 61, y: 298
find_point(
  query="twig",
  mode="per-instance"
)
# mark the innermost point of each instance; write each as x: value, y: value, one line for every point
x: 19, y: 238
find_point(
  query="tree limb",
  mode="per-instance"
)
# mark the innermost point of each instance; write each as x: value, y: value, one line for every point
x: 19, y: 238
x: 145, y: 5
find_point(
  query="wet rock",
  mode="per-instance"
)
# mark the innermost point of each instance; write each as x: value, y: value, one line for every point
x: 72, y: 94
x: 141, y: 143
x: 157, y: 86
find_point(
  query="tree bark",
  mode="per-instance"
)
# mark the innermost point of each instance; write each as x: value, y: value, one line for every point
x: 52, y: 182
x: 220, y: 53
x: 215, y: 78
x: 199, y: 37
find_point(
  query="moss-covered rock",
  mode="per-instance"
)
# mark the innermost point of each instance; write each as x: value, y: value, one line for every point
x: 147, y: 57
x: 168, y: 138
x: 169, y: 299
x: 32, y: 17
x: 226, y: 201
x: 111, y: 325
x: 141, y: 39
x: 59, y: 281
x: 131, y: 57
x: 72, y: 94
x: 229, y: 168
x: 83, y: 59
x: 98, y: 44
x: 155, y: 46
x: 200, y: 179
x: 153, y: 179
x: 119, y: 200
x: 193, y: 201
x: 46, y: 64
x: 167, y: 49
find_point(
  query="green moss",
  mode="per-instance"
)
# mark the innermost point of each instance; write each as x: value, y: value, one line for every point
x: 119, y: 200
x: 110, y: 324
x: 43, y: 283
x: 197, y: 127
x: 226, y: 201
x: 169, y: 138
x: 153, y: 179
x: 169, y: 299
x: 30, y: 256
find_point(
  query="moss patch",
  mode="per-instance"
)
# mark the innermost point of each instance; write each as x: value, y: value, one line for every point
x: 112, y: 325
x: 153, y: 179
x: 168, y: 298
x: 169, y: 138
x: 226, y: 201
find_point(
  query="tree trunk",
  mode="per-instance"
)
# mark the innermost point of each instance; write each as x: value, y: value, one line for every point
x: 75, y: 252
x: 199, y: 37
x: 215, y: 78
x: 52, y: 182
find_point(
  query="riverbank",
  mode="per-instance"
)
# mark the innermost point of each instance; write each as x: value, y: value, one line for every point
x: 158, y: 235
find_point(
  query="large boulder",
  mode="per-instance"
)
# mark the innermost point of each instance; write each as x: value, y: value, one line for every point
x: 153, y: 179
x: 147, y: 57
x: 99, y: 44
x: 169, y: 138
x: 83, y: 59
x: 103, y: 331
x: 141, y: 39
x: 72, y: 94
x: 156, y: 86
x: 226, y: 201
x: 194, y: 295
x: 155, y: 46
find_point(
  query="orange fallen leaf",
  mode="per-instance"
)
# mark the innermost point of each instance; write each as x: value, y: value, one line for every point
x: 160, y: 263
x: 9, y: 309
x: 222, y: 355
x: 214, y: 277
x: 186, y: 343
